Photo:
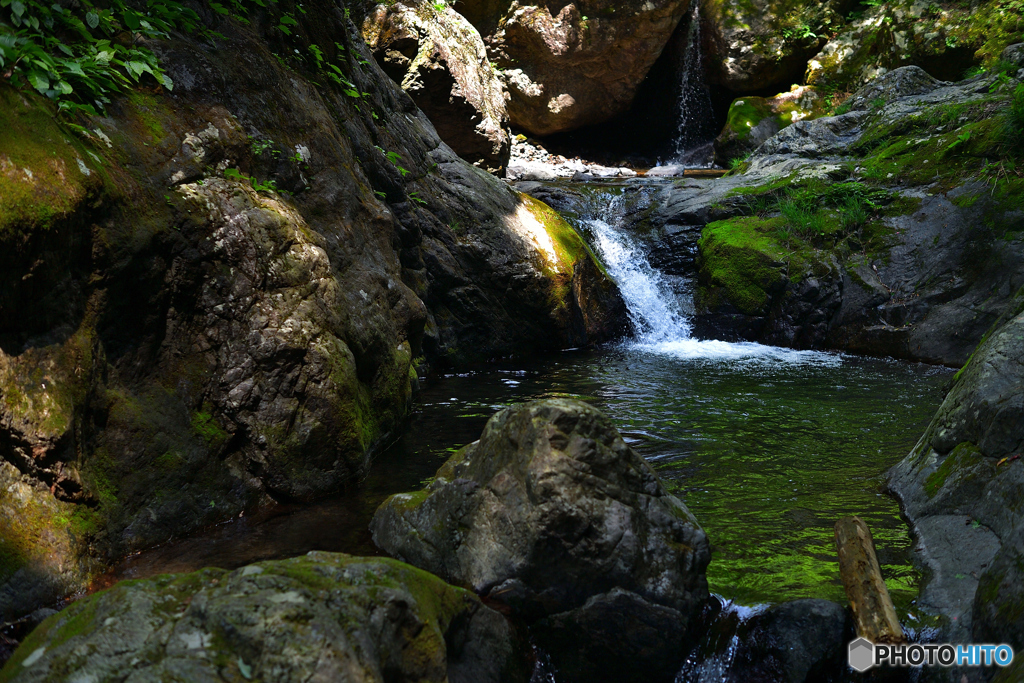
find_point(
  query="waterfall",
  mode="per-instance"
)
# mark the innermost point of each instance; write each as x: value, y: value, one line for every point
x: 696, y: 114
x: 652, y: 311
x: 660, y: 306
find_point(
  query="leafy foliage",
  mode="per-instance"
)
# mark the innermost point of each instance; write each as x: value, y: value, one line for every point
x: 80, y: 56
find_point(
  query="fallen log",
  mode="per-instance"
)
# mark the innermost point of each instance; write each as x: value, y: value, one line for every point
x: 873, y: 611
x: 704, y: 172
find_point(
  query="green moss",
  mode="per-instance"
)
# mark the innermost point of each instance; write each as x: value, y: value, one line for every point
x: 569, y: 246
x: 206, y: 426
x: 741, y: 263
x: 41, y: 176
x: 962, y: 457
x: 148, y: 110
x: 745, y: 114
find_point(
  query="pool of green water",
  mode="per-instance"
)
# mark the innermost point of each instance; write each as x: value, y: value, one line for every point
x: 767, y: 451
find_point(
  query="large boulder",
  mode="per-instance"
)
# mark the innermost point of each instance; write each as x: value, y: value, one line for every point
x: 752, y: 120
x: 221, y: 297
x: 873, y: 231
x: 440, y: 60
x: 765, y: 43
x: 322, y: 617
x: 553, y: 515
x: 961, y: 487
x: 577, y: 64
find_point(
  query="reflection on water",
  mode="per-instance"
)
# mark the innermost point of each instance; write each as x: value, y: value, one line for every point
x: 768, y: 447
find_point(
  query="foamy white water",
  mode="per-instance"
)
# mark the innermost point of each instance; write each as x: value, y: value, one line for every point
x: 660, y: 324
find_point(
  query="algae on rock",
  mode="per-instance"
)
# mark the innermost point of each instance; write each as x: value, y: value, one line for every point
x: 323, y: 616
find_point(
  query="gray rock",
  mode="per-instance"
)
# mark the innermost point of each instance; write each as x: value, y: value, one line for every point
x: 801, y: 641
x: 615, y: 636
x: 323, y: 617
x: 549, y: 509
x: 440, y: 60
x: 962, y: 487
x: 1014, y: 54
x: 896, y: 84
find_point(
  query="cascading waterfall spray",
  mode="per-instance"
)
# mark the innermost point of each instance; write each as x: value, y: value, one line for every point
x: 653, y: 313
x: 696, y: 114
x: 656, y: 305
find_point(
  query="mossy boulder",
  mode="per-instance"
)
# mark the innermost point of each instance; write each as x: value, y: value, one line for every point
x: 440, y: 60
x: 946, y: 41
x: 759, y: 278
x: 759, y: 44
x: 962, y: 488
x: 319, y: 617
x: 752, y: 120
x: 553, y: 515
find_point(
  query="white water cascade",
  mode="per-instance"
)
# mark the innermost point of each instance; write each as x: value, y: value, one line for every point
x: 660, y: 308
x: 696, y: 113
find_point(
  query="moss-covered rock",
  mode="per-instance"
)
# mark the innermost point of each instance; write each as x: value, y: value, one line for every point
x: 322, y: 616
x: 962, y: 487
x: 945, y: 40
x: 226, y: 308
x: 760, y: 277
x: 760, y: 44
x: 551, y: 514
x: 752, y: 120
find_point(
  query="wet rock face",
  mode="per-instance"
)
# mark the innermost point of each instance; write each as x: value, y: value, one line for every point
x: 440, y: 60
x: 921, y: 276
x: 800, y: 641
x: 572, y: 65
x: 205, y: 341
x: 553, y: 515
x: 319, y: 617
x: 961, y: 487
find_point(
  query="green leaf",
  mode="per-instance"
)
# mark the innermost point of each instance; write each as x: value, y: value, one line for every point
x: 288, y: 19
x: 18, y: 8
x: 92, y: 19
x: 131, y: 20
x: 64, y: 88
x: 39, y: 81
x: 219, y: 8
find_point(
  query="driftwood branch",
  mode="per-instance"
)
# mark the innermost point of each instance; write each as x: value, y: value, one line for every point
x: 873, y: 612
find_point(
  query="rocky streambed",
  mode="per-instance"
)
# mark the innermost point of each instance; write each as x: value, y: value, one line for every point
x: 219, y: 301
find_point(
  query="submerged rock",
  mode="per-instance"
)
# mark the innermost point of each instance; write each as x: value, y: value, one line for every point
x: 440, y: 60
x: 323, y: 617
x: 553, y: 515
